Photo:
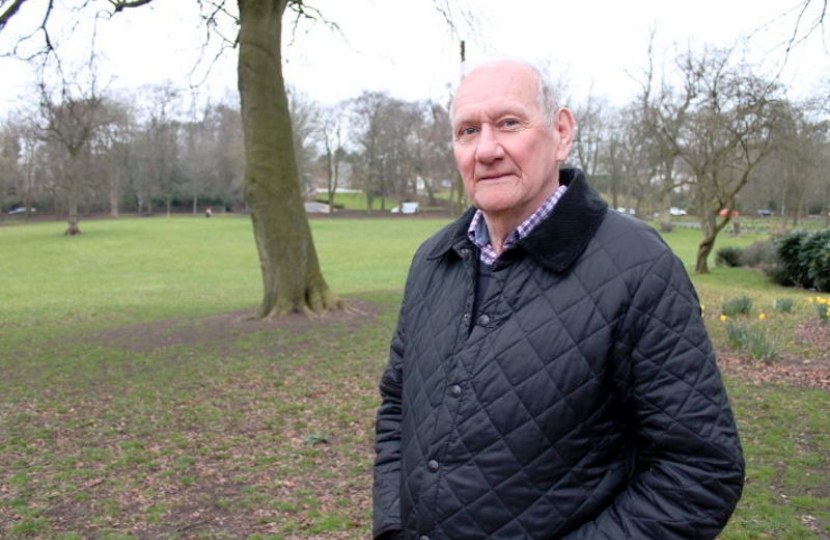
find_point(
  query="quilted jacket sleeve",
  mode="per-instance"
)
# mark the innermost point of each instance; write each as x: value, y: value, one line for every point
x: 386, y: 489
x: 690, y: 469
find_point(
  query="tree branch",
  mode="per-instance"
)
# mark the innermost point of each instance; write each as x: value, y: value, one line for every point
x: 10, y: 12
x: 121, y: 5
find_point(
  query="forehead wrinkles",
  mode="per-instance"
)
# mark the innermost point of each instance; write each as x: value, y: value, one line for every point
x: 489, y: 94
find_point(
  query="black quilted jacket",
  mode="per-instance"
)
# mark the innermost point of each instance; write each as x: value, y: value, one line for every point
x: 582, y: 401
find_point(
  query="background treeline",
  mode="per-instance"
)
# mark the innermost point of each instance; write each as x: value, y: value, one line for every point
x: 154, y: 153
x: 706, y: 135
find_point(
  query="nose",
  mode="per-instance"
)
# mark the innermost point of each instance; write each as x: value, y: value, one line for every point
x: 489, y: 148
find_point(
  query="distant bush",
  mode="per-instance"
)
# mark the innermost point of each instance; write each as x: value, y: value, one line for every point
x: 788, y: 248
x: 803, y: 260
x: 728, y: 256
x: 779, y: 275
x: 817, y: 259
x: 760, y: 254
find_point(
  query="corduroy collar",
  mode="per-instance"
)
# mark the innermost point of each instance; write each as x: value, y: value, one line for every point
x: 558, y: 241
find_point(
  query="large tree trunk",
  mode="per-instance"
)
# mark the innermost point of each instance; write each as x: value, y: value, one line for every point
x: 292, y: 279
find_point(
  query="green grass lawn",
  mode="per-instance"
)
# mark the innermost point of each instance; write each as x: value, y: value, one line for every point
x: 137, y: 401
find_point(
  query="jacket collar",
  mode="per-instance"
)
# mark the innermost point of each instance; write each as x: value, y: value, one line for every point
x: 556, y: 242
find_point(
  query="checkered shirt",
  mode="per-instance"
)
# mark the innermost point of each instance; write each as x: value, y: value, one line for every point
x: 479, y: 235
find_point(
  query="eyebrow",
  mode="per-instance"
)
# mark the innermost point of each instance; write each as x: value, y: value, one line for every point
x: 501, y: 112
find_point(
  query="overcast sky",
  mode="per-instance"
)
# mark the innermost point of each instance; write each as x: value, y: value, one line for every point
x: 405, y: 48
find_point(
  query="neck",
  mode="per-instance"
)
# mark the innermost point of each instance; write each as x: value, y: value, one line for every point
x: 501, y: 224
x: 499, y: 230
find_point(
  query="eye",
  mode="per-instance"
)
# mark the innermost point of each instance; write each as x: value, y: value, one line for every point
x: 466, y: 132
x: 510, y: 123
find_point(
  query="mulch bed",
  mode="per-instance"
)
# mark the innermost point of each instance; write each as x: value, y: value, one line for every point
x: 809, y: 372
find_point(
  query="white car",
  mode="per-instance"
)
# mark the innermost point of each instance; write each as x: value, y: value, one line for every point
x: 677, y: 211
x: 406, y: 208
x: 22, y: 210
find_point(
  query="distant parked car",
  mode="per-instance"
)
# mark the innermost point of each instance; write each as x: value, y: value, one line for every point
x: 22, y: 210
x: 726, y: 211
x: 677, y: 211
x: 765, y: 213
x: 629, y: 211
x: 407, y: 208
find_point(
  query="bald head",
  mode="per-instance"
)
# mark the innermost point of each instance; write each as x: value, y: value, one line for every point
x: 547, y: 95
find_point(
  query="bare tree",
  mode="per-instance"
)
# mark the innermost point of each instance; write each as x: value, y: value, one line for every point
x: 795, y: 177
x: 436, y: 164
x: 292, y: 279
x: 367, y: 126
x: 71, y: 124
x: 591, y: 135
x: 109, y: 158
x: 810, y: 18
x: 384, y: 129
x: 13, y: 183
x: 213, y: 156
x: 158, y: 148
x: 200, y: 155
x: 306, y: 119
x: 332, y: 137
x: 636, y: 162
x: 719, y: 125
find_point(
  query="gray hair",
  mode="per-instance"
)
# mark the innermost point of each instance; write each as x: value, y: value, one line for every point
x: 547, y: 94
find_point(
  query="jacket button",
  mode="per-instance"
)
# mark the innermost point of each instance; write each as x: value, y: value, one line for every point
x: 433, y: 466
x: 484, y: 320
x: 455, y: 390
x: 424, y: 538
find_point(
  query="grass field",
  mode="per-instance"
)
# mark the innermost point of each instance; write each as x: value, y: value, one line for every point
x: 138, y: 401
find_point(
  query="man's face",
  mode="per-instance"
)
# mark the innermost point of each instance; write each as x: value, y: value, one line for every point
x: 506, y: 150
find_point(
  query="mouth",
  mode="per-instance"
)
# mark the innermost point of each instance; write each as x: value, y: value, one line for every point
x: 493, y: 177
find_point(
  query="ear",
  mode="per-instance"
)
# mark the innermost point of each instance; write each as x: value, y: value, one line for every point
x: 565, y: 128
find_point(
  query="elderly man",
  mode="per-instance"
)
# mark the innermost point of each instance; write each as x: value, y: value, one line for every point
x: 550, y: 376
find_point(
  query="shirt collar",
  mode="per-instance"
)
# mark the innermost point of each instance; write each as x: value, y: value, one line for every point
x: 478, y: 234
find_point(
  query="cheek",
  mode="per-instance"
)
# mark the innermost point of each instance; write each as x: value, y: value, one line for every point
x: 464, y: 160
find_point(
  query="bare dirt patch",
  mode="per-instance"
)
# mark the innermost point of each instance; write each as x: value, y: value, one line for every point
x: 225, y: 328
x: 806, y: 372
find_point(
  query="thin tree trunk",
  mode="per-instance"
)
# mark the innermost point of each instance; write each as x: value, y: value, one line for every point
x: 292, y: 279
x: 72, y: 228
x: 113, y: 194
x: 703, y: 251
